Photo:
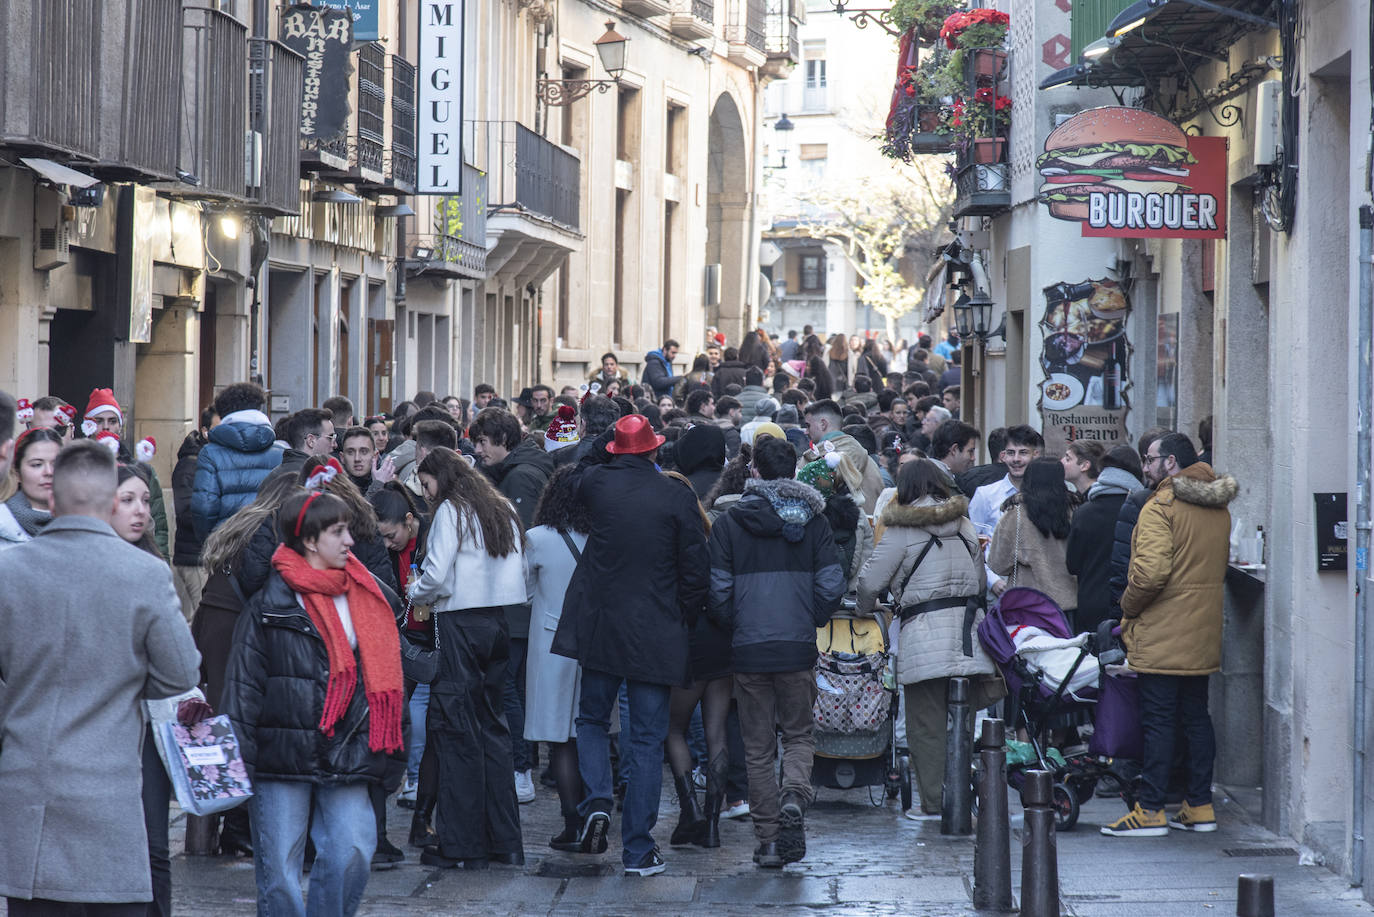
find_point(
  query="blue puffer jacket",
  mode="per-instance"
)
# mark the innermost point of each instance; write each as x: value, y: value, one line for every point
x: 228, y: 471
x: 1121, y: 544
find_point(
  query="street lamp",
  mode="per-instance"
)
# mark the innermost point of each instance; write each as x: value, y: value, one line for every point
x: 972, y: 316
x: 784, y: 127
x: 610, y: 47
x: 861, y: 18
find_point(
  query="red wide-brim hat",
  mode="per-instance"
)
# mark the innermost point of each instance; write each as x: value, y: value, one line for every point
x: 634, y: 436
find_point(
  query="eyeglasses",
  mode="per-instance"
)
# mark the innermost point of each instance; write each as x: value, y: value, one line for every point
x: 1151, y: 459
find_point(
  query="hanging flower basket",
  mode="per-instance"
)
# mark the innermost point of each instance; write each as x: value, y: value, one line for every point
x: 988, y: 63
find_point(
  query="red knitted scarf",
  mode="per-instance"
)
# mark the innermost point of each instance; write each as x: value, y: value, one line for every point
x: 379, y: 645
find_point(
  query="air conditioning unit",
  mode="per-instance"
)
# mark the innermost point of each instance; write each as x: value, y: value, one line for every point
x: 52, y: 230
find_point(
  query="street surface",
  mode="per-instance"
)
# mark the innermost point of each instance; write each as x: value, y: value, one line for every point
x: 862, y: 860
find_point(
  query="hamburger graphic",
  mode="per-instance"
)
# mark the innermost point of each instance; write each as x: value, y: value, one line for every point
x: 1111, y: 150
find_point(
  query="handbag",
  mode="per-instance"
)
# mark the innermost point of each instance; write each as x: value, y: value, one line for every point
x: 204, y: 765
x: 419, y: 663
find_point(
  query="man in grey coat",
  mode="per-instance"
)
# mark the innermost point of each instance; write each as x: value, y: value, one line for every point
x: 74, y: 664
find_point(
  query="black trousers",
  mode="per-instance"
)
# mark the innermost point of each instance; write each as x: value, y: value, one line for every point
x: 477, y: 812
x: 157, y: 798
x: 1174, y: 707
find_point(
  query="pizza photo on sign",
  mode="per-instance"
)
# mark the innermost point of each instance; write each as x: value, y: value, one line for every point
x: 1129, y: 172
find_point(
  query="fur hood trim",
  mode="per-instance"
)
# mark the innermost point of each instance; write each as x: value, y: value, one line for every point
x: 1209, y: 491
x: 786, y: 490
x: 924, y: 514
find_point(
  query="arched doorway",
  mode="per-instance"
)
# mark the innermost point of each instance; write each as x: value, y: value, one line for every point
x: 727, y: 216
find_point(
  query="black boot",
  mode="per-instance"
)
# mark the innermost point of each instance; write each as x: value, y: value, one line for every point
x: 690, y: 824
x: 421, y: 834
x: 235, y: 836
x: 715, y: 795
x: 570, y: 841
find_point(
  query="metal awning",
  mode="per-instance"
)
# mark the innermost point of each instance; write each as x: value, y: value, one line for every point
x: 1158, y: 38
x: 59, y: 174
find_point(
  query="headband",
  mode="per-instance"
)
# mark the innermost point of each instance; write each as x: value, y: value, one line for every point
x: 323, y: 474
x: 300, y: 517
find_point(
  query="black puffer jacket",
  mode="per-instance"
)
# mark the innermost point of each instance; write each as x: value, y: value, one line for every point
x: 1121, y: 544
x: 775, y: 575
x: 255, y: 563
x: 274, y: 694
x: 701, y: 456
x: 186, y: 547
x: 521, y: 477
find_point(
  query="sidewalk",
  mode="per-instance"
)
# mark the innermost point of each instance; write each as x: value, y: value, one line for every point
x: 862, y: 860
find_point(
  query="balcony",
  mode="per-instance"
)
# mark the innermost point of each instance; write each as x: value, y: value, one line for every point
x: 534, y: 199
x: 981, y: 189
x: 647, y: 8
x: 94, y: 81
x: 401, y: 167
x: 693, y: 18
x: 456, y: 245
x: 214, y: 104
x: 275, y: 75
x: 746, y: 31
x: 370, y: 139
x: 782, y: 44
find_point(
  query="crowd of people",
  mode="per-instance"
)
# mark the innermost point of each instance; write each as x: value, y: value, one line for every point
x: 447, y: 606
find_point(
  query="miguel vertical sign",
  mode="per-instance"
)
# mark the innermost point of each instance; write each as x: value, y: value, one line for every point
x: 440, y: 137
x: 324, y: 37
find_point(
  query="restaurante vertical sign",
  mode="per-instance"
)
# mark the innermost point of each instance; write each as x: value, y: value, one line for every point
x: 440, y: 154
x: 324, y: 37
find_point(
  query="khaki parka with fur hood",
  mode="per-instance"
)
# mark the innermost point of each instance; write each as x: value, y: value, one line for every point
x: 1171, y: 609
x: 931, y: 644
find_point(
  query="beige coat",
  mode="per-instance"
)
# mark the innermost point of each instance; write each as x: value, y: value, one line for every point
x: 930, y: 645
x: 1030, y: 559
x: 1171, y: 609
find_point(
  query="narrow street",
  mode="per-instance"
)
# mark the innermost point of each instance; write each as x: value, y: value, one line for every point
x: 862, y: 860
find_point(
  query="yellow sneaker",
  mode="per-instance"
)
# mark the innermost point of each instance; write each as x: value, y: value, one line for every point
x: 1195, y: 818
x: 1139, y: 823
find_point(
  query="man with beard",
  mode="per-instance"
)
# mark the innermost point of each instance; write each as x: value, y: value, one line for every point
x: 356, y: 452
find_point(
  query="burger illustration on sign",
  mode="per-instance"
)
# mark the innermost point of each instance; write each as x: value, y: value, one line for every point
x: 1123, y: 169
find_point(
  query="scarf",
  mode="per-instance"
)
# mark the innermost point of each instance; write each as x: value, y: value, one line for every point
x: 379, y: 646
x: 1114, y: 481
x: 30, y: 520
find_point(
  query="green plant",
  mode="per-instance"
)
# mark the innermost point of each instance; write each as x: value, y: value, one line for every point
x: 937, y: 78
x: 924, y: 16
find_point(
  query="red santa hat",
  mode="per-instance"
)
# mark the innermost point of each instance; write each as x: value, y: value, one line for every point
x: 103, y: 402
x: 109, y: 439
x: 145, y: 449
x: 66, y: 414
x: 563, y: 430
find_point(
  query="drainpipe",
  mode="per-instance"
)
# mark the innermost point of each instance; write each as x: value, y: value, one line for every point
x: 751, y: 310
x: 1362, y: 531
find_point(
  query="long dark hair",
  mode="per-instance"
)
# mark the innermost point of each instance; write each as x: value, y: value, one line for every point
x: 147, y: 542
x: 1045, y: 497
x: 393, y: 503
x: 920, y: 479
x: 471, y: 493
x: 559, y: 507
x: 839, y: 348
x: 817, y: 371
x: 753, y: 352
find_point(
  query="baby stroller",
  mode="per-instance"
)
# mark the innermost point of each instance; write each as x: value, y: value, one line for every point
x: 856, y: 708
x: 1049, y: 673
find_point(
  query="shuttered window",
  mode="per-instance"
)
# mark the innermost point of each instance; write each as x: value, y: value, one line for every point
x: 1090, y: 21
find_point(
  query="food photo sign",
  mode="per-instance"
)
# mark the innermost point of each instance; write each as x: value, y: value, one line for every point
x: 1085, y: 358
x: 1128, y: 173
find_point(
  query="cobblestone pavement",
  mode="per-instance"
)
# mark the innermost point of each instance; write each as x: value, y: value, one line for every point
x: 862, y: 860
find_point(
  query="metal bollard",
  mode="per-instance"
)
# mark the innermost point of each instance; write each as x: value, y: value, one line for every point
x: 956, y: 797
x: 202, y: 835
x: 992, y: 845
x: 1254, y: 895
x: 1039, y: 854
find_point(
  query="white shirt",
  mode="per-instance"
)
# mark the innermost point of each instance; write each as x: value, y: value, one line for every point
x: 985, y: 509
x: 345, y: 617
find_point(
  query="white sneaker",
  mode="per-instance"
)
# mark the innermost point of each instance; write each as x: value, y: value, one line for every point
x: 406, y: 799
x: 524, y: 787
x: 738, y: 810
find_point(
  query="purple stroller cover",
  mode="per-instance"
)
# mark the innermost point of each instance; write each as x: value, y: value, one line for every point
x: 1020, y: 606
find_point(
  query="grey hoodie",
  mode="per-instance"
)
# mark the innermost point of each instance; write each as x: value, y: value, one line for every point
x: 1115, y: 481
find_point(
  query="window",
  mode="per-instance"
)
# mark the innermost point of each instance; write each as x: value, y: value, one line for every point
x: 816, y: 80
x: 812, y: 273
x: 813, y: 158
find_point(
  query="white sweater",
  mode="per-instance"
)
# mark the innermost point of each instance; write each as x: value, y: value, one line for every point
x: 453, y: 578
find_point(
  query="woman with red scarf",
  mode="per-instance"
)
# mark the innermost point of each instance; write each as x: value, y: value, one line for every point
x: 315, y: 691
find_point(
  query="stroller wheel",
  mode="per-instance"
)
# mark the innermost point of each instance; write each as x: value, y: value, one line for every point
x: 904, y: 771
x: 1065, y: 804
x: 1083, y: 787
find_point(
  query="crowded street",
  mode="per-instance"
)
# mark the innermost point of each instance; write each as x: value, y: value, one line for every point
x: 656, y: 457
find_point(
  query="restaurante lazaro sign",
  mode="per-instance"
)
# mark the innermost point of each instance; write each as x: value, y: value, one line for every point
x: 1129, y: 173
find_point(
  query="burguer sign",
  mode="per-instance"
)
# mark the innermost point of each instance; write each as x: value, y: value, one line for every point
x: 1130, y: 173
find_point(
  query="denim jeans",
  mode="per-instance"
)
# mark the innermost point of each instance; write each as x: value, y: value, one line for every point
x: 641, y: 746
x: 1166, y: 703
x: 419, y: 704
x: 345, y: 836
